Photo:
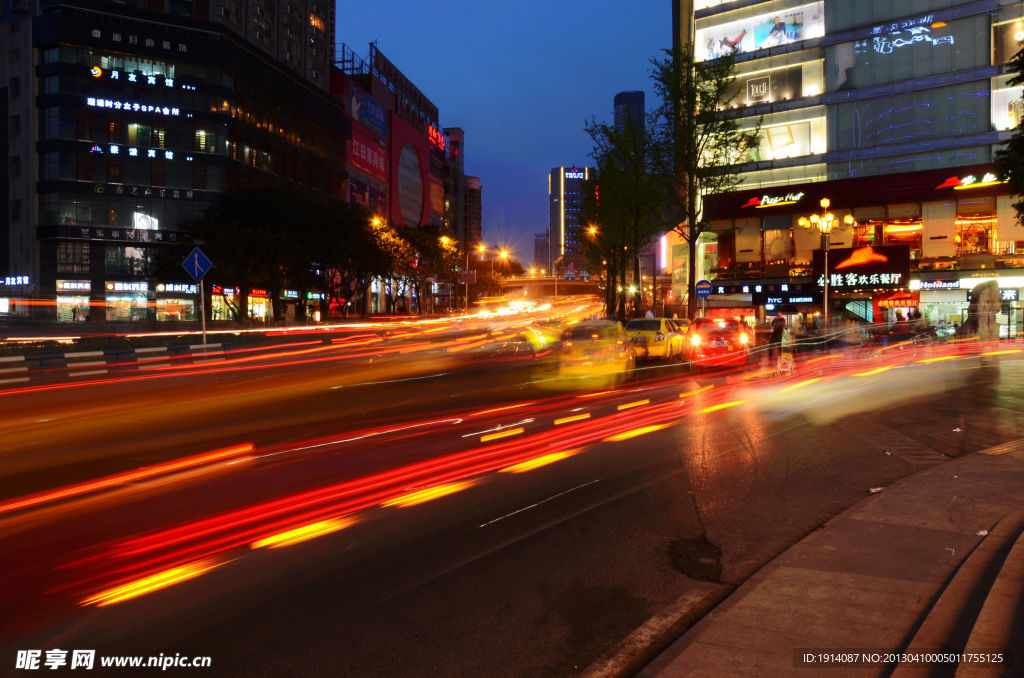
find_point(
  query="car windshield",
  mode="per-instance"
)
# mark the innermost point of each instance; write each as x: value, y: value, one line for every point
x: 644, y: 325
x: 589, y: 330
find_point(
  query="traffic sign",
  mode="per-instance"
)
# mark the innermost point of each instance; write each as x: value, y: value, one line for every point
x: 703, y: 288
x: 197, y: 264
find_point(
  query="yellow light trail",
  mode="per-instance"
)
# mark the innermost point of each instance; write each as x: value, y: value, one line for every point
x: 635, y: 432
x: 802, y: 383
x: 538, y: 462
x: 594, y: 395
x: 827, y: 357
x: 935, y: 360
x: 499, y: 409
x: 713, y: 408
x: 699, y: 390
x: 575, y: 417
x: 869, y: 373
x: 300, y: 534
x: 421, y: 496
x: 756, y: 374
x: 1016, y: 350
x: 638, y: 403
x: 501, y: 434
x: 154, y: 582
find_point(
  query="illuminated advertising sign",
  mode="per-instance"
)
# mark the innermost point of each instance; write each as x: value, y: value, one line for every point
x: 777, y: 85
x: 969, y: 182
x: 74, y: 286
x: 365, y: 154
x: 773, y: 299
x: 1009, y: 294
x: 12, y: 280
x: 774, y: 200
x: 134, y: 106
x: 864, y: 268
x: 177, y: 288
x: 369, y: 197
x: 368, y: 112
x: 574, y: 174
x: 436, y: 138
x: 940, y: 284
x: 761, y: 32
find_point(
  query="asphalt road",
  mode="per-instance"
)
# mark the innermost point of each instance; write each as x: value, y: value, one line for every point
x: 569, y: 520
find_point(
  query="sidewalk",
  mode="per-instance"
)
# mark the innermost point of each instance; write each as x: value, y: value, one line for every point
x: 932, y: 563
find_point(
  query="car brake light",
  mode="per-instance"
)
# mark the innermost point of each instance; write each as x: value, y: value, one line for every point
x: 567, y: 344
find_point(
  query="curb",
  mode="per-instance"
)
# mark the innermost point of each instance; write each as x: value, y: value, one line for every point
x: 640, y: 647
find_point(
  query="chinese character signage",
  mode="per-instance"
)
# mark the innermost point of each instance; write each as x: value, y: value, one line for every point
x: 864, y: 268
x: 365, y: 154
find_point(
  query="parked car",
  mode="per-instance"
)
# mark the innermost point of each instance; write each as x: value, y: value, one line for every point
x: 592, y: 354
x: 656, y: 338
x: 719, y: 341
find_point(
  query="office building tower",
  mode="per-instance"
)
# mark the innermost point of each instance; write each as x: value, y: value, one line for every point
x: 629, y: 106
x: 565, y: 215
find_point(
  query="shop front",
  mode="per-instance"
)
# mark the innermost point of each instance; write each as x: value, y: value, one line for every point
x: 177, y: 302
x: 127, y: 301
x: 73, y: 300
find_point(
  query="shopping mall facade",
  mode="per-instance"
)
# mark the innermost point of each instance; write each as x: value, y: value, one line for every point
x: 122, y: 124
x: 895, y: 118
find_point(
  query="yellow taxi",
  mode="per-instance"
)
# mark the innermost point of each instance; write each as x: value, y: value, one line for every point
x: 656, y: 338
x: 592, y: 354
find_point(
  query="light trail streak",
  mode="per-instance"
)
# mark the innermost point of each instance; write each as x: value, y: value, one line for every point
x: 428, y: 494
x: 569, y: 420
x: 154, y: 582
x: 501, y: 434
x: 538, y: 462
x: 802, y: 383
x: 871, y: 372
x: 643, y: 430
x: 699, y: 390
x: 629, y: 406
x: 715, y: 408
x: 304, y: 533
x: 123, y: 478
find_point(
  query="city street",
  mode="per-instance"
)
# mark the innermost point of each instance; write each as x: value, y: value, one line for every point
x: 439, y: 516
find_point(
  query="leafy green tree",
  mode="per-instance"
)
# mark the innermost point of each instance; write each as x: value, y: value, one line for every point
x: 703, y: 144
x: 624, y: 206
x: 1010, y: 158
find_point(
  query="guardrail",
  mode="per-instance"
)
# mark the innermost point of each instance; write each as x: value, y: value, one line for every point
x: 30, y: 369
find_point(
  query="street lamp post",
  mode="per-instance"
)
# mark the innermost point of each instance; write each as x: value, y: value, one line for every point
x: 824, y: 223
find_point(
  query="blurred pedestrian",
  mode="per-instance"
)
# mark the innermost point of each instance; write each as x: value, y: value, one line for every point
x: 778, y: 326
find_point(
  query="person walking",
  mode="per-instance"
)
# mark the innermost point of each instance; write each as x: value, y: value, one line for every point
x: 775, y: 338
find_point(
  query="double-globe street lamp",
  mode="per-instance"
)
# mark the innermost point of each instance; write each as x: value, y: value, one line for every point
x: 825, y: 223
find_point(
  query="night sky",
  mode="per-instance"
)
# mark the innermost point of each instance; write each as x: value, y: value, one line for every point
x: 521, y: 78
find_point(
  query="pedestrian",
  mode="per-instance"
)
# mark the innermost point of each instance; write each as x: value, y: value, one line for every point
x: 778, y: 326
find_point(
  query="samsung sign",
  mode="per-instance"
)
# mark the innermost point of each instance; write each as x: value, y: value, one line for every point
x: 772, y: 299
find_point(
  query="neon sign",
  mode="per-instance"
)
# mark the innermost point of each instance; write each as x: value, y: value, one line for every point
x: 435, y: 136
x: 131, y: 106
x: 970, y: 181
x: 16, y: 280
x: 774, y: 200
x: 574, y: 175
x: 885, y: 45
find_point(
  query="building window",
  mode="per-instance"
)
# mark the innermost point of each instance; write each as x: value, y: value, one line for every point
x: 14, y: 86
x: 15, y: 166
x: 114, y: 170
x: 15, y: 210
x: 72, y: 257
x: 15, y: 126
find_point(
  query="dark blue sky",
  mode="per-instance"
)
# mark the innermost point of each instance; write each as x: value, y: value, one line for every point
x: 521, y: 78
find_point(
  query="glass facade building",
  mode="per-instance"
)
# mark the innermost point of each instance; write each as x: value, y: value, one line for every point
x: 894, y: 112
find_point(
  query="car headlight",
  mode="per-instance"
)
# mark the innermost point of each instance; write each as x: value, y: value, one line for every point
x: 744, y: 339
x: 695, y: 339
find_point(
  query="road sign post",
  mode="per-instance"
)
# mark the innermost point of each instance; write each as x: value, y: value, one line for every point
x: 196, y: 264
x: 702, y: 289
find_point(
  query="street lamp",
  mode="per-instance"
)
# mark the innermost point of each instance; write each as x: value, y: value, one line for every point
x: 825, y: 223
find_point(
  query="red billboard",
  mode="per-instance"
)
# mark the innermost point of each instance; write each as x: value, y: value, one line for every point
x: 367, y: 156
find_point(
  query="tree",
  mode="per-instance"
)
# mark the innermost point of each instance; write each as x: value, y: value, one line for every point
x: 625, y: 206
x: 1010, y: 158
x: 704, y: 146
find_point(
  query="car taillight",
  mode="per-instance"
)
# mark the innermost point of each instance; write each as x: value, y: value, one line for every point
x: 567, y: 344
x: 695, y: 339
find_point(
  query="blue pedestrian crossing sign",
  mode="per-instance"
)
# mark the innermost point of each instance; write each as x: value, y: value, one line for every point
x: 703, y: 288
x: 197, y: 264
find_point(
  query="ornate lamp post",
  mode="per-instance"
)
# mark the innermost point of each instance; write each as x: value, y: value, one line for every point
x: 825, y: 223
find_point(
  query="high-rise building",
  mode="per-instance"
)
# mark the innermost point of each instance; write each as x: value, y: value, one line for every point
x: 540, y: 251
x: 892, y: 114
x: 565, y: 215
x: 474, y: 212
x: 629, y: 107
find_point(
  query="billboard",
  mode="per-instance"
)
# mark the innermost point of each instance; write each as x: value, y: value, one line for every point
x: 366, y: 155
x: 367, y: 111
x: 761, y: 32
x: 864, y: 268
